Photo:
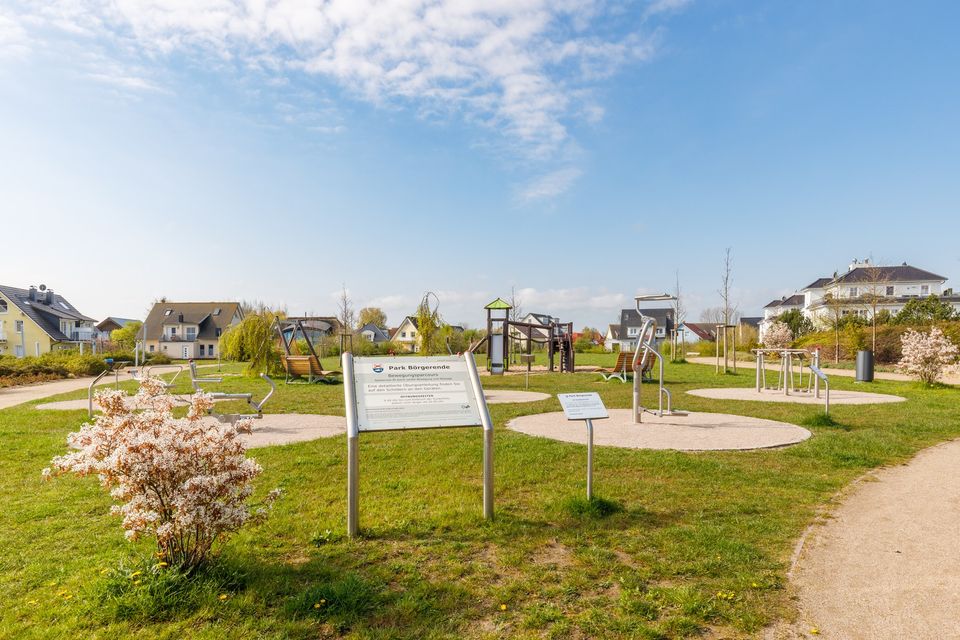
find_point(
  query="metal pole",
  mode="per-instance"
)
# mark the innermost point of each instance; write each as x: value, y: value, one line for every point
x: 353, y: 433
x: 589, y: 459
x: 816, y: 379
x: 487, y: 436
x: 725, y: 365
x: 759, y: 367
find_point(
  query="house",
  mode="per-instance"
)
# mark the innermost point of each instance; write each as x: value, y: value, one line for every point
x: 857, y: 291
x: 373, y: 333
x: 35, y: 321
x: 406, y: 334
x: 110, y: 324
x: 188, y: 329
x: 624, y: 335
x: 537, y: 320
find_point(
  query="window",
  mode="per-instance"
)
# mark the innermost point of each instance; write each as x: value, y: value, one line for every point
x: 403, y: 334
x: 19, y: 326
x: 201, y: 350
x: 219, y: 331
x: 167, y: 312
x: 889, y: 290
x: 854, y: 292
x: 924, y: 289
x: 413, y: 334
x: 216, y: 311
x: 210, y: 350
x: 633, y: 331
x: 173, y: 331
x: 3, y: 306
x: 151, y: 348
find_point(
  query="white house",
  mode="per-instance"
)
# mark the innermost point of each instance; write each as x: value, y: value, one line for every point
x: 406, y: 334
x: 624, y: 335
x: 373, y: 333
x: 863, y: 285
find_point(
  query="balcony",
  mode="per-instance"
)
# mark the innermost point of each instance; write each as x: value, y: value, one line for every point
x: 189, y: 337
x: 82, y: 335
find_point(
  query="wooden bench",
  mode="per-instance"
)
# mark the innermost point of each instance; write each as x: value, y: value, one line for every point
x: 306, y: 367
x: 624, y: 367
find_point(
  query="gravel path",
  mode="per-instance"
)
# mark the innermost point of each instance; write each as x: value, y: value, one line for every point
x: 887, y: 562
x: 837, y: 396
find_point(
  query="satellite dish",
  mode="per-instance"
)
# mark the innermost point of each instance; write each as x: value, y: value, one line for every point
x: 43, y: 287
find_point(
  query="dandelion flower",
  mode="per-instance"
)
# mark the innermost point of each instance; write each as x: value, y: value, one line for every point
x: 223, y: 597
x: 503, y: 607
x: 815, y: 631
x: 104, y: 572
x: 316, y: 606
x: 162, y: 564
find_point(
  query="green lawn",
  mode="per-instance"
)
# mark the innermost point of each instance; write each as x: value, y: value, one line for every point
x: 700, y: 546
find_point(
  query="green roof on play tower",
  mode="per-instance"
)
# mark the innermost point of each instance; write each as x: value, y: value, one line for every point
x: 499, y: 303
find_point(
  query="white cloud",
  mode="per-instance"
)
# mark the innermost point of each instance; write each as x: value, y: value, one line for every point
x: 13, y: 38
x: 549, y: 186
x: 522, y: 67
x: 666, y: 6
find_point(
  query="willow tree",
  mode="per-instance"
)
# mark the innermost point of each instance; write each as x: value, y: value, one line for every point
x: 253, y: 341
x: 428, y: 324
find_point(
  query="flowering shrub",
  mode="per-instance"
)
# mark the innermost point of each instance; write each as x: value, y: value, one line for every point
x: 778, y: 336
x: 184, y: 480
x: 926, y: 354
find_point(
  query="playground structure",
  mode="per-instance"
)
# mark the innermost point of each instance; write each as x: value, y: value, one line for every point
x: 196, y: 380
x: 503, y: 334
x: 298, y: 366
x: 726, y: 331
x: 790, y: 377
x: 643, y: 359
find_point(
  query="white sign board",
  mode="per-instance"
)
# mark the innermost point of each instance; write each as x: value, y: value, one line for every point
x: 414, y: 393
x: 582, y: 406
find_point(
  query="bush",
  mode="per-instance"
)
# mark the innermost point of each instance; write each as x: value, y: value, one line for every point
x: 181, y: 480
x: 889, y: 348
x: 927, y: 354
x: 158, y: 358
x: 778, y: 336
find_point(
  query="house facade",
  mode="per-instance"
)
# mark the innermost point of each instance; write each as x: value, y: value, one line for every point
x: 373, y: 333
x: 406, y: 335
x: 110, y: 324
x: 35, y: 321
x: 188, y: 330
x: 624, y: 335
x: 864, y: 286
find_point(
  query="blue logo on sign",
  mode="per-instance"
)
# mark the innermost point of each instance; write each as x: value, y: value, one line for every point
x: 378, y: 368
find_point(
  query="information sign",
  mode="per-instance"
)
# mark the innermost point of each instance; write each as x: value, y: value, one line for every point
x: 583, y: 406
x: 414, y: 393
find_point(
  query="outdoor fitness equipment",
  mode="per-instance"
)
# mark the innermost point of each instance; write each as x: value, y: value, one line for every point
x: 219, y: 395
x: 787, y: 381
x: 642, y: 360
x: 302, y: 366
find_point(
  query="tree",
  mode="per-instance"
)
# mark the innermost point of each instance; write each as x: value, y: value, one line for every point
x: 679, y: 314
x: 926, y: 354
x: 778, y: 336
x: 374, y: 315
x: 517, y: 303
x: 126, y: 336
x: 873, y: 293
x: 345, y: 311
x: 428, y: 323
x: 924, y: 311
x: 712, y: 315
x: 726, y: 284
x: 835, y: 305
x: 253, y: 341
x: 799, y: 324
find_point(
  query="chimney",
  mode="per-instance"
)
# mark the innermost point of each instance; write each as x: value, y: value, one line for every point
x: 49, y: 297
x: 32, y: 294
x: 180, y: 317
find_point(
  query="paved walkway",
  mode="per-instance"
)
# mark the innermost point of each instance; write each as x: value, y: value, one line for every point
x: 949, y: 378
x: 887, y: 563
x: 694, y: 431
x: 837, y: 396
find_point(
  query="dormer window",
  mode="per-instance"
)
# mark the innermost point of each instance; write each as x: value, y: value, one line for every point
x: 167, y: 312
x: 216, y: 311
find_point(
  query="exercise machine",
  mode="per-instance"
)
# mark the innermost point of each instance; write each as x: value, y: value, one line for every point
x: 196, y: 380
x: 643, y: 357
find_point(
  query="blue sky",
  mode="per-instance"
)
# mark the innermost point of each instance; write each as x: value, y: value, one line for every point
x: 276, y: 150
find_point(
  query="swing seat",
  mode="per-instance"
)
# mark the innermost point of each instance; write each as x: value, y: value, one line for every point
x: 306, y: 367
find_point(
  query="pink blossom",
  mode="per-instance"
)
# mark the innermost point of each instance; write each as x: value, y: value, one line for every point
x: 777, y: 336
x: 926, y: 355
x: 184, y: 481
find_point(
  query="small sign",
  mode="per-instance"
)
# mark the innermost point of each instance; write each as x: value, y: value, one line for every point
x: 583, y: 406
x: 414, y: 393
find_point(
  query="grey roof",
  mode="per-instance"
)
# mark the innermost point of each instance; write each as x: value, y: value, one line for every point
x: 46, y: 315
x: 901, y: 273
x: 753, y: 321
x: 819, y: 283
x: 663, y: 316
x: 543, y: 318
x: 379, y: 333
x: 614, y: 330
x: 796, y: 300
x: 208, y: 316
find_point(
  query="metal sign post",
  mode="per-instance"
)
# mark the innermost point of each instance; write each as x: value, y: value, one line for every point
x: 587, y: 407
x: 386, y: 394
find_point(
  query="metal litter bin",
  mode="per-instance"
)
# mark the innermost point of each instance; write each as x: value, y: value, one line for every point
x: 864, y: 366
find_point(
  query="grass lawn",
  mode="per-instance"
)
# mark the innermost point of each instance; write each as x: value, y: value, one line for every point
x: 696, y: 544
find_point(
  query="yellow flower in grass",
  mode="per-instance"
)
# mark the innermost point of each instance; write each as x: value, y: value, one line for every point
x: 68, y: 596
x: 503, y: 607
x: 223, y: 597
x: 135, y: 574
x: 162, y: 564
x: 104, y: 572
x: 316, y: 606
x: 815, y: 631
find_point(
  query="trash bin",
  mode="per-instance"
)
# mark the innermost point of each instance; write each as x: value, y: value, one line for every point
x: 864, y: 366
